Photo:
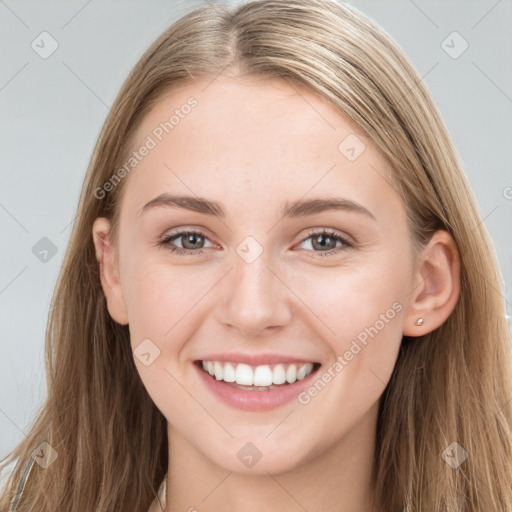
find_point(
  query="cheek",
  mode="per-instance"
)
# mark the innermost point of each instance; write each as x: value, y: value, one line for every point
x: 161, y: 304
x: 353, y: 311
x: 344, y: 301
x: 160, y: 298
x: 358, y: 310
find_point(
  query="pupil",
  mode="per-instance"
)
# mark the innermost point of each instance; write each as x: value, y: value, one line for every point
x: 190, y: 239
x: 322, y: 245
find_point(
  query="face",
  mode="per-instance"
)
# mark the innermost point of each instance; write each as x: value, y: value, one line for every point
x: 257, y: 278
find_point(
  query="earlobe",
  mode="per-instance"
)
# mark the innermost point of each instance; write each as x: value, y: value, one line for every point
x: 109, y: 274
x: 437, y: 286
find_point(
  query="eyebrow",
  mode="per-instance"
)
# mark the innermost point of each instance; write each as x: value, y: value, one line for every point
x: 297, y: 208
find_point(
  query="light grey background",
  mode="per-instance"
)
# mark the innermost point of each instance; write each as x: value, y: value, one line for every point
x: 52, y: 110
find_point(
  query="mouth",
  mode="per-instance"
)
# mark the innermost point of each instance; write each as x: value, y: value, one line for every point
x: 263, y: 377
x: 256, y: 388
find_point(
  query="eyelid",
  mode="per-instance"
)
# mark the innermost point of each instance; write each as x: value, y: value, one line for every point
x: 201, y: 230
x: 182, y: 232
x: 344, y: 236
x: 347, y: 242
x: 204, y: 231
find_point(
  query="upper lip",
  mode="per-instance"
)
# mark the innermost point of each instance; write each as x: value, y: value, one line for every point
x: 254, y: 359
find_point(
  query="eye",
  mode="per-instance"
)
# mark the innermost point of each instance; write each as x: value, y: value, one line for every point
x: 192, y: 242
x: 326, y: 242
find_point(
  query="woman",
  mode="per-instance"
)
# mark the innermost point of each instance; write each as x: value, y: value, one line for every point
x: 335, y: 341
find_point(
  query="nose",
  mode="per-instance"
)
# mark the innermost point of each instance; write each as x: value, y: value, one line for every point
x: 255, y: 298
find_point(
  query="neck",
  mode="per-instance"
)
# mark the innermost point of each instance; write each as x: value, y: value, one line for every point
x: 337, y: 478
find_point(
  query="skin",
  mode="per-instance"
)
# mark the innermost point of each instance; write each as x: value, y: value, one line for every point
x: 252, y: 145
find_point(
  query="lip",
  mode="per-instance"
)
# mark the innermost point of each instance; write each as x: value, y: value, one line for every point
x: 254, y: 359
x: 254, y: 401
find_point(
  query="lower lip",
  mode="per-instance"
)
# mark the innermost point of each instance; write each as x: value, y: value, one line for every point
x: 251, y: 400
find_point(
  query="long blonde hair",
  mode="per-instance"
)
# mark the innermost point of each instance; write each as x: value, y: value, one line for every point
x: 451, y: 385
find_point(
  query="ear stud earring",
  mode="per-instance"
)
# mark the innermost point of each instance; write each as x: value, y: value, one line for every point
x: 419, y: 321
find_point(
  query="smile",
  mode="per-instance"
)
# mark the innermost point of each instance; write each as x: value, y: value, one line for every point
x: 255, y: 388
x: 264, y: 376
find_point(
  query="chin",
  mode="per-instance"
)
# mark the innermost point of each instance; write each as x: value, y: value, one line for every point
x: 259, y: 457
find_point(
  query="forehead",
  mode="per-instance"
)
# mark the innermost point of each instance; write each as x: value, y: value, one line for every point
x: 235, y: 140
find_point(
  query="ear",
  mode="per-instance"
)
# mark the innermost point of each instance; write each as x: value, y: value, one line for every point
x: 437, y: 285
x: 109, y: 274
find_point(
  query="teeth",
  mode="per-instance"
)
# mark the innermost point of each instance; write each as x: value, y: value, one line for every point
x: 278, y: 375
x: 260, y: 376
x: 218, y: 370
x: 263, y: 376
x: 229, y: 373
x: 244, y: 375
x: 301, y: 372
x: 291, y: 374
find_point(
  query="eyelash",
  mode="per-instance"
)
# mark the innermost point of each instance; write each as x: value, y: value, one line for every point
x: 166, y: 242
